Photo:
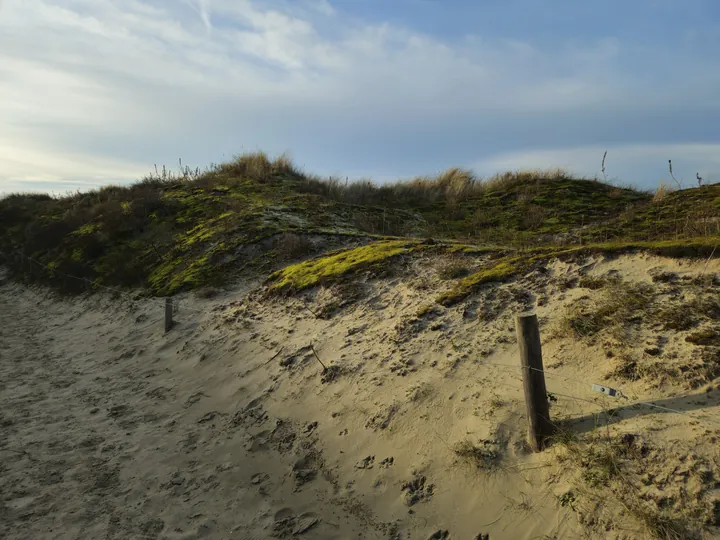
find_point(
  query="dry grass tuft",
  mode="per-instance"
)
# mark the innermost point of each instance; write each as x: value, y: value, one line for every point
x: 619, y: 477
x: 483, y: 455
x: 662, y: 191
x: 620, y: 307
x: 293, y: 246
x: 527, y: 177
x: 455, y: 268
x: 596, y: 282
x: 706, y: 337
x: 258, y: 166
x: 420, y: 392
x: 688, y: 314
x: 658, y: 524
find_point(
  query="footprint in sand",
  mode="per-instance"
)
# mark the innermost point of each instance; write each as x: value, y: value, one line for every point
x: 366, y: 463
x: 193, y: 399
x: 417, y: 490
x: 259, y: 478
x: 286, y: 523
x: 117, y: 411
x: 259, y: 442
x: 387, y: 462
x: 305, y: 469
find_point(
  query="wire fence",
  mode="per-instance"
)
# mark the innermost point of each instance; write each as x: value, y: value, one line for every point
x: 593, y: 387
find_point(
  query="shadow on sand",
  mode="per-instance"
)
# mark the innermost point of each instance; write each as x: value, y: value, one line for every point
x: 685, y: 404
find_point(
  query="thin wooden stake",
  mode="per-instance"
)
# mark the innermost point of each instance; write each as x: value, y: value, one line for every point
x: 318, y: 358
x: 168, y: 314
x: 538, y: 408
x: 708, y: 261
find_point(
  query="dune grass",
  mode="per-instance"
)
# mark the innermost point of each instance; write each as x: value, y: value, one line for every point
x: 189, y: 228
x: 611, y: 474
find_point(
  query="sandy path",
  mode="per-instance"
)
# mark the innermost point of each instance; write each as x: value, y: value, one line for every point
x: 113, y: 429
x: 110, y: 433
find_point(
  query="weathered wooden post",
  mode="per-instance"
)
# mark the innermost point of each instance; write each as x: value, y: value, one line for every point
x: 168, y: 314
x: 538, y: 409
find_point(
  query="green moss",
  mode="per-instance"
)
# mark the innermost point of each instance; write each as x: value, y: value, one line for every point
x: 204, y: 231
x: 86, y: 229
x: 468, y: 249
x: 186, y: 272
x: 331, y: 267
x: 493, y: 272
x: 681, y: 214
x: 511, y: 265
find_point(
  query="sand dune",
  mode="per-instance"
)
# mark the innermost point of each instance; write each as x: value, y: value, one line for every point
x: 229, y: 427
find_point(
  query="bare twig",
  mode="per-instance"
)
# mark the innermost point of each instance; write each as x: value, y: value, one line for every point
x: 310, y: 310
x: 318, y: 358
x: 708, y: 261
x: 275, y: 355
x: 603, y: 165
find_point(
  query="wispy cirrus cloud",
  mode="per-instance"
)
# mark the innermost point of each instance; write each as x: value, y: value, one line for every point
x: 129, y: 83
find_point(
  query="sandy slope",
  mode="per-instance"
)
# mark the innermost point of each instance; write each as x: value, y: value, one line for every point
x: 226, y: 428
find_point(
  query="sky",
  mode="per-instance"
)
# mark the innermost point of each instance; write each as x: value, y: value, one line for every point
x: 100, y: 91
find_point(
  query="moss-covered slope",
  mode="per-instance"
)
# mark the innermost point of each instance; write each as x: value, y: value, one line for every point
x: 181, y: 231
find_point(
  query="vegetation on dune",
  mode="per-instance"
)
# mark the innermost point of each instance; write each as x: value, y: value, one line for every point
x: 453, y: 269
x: 678, y: 214
x: 175, y: 231
x: 515, y: 263
x: 621, y: 305
x: 614, y: 475
x: 335, y: 265
x: 618, y: 314
x: 375, y: 258
x: 514, y: 207
x: 496, y: 271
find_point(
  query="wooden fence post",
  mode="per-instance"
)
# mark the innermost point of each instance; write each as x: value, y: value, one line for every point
x: 168, y: 314
x: 538, y: 409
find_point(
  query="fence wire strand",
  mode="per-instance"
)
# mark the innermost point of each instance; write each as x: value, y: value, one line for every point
x: 159, y: 301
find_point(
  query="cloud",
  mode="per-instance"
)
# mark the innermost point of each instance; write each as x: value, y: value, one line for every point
x: 202, y: 7
x: 130, y: 82
x: 59, y: 173
x: 323, y: 6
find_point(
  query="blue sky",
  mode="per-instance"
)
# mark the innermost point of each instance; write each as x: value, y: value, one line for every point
x: 97, y: 91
